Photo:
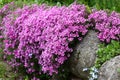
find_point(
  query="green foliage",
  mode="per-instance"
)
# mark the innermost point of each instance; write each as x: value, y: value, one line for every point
x: 5, y: 72
x: 26, y: 78
x: 118, y: 70
x: 106, y: 52
x: 3, y: 2
x: 2, y: 70
x: 98, y: 4
x: 1, y: 53
x: 103, y: 4
x: 63, y: 72
x: 109, y: 4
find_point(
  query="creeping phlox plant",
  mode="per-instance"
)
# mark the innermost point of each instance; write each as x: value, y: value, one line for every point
x: 108, y: 25
x: 38, y: 37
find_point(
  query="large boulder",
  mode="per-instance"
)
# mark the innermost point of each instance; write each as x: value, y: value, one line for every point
x: 109, y: 70
x: 84, y: 55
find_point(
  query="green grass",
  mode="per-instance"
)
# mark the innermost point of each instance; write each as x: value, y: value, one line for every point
x: 6, y: 72
x: 103, y: 4
x: 98, y: 4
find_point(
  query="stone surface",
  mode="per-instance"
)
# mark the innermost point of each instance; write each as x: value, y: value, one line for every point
x: 84, y: 55
x: 109, y: 70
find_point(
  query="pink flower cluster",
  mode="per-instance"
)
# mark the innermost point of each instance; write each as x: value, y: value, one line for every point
x: 108, y: 25
x: 43, y: 32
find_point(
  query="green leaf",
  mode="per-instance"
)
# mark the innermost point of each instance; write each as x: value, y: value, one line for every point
x: 118, y: 70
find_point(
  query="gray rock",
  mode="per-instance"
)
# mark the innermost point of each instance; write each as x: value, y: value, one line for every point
x: 84, y: 55
x: 109, y: 70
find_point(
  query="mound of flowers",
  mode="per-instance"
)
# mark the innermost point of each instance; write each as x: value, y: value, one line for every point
x: 108, y: 25
x: 40, y: 35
